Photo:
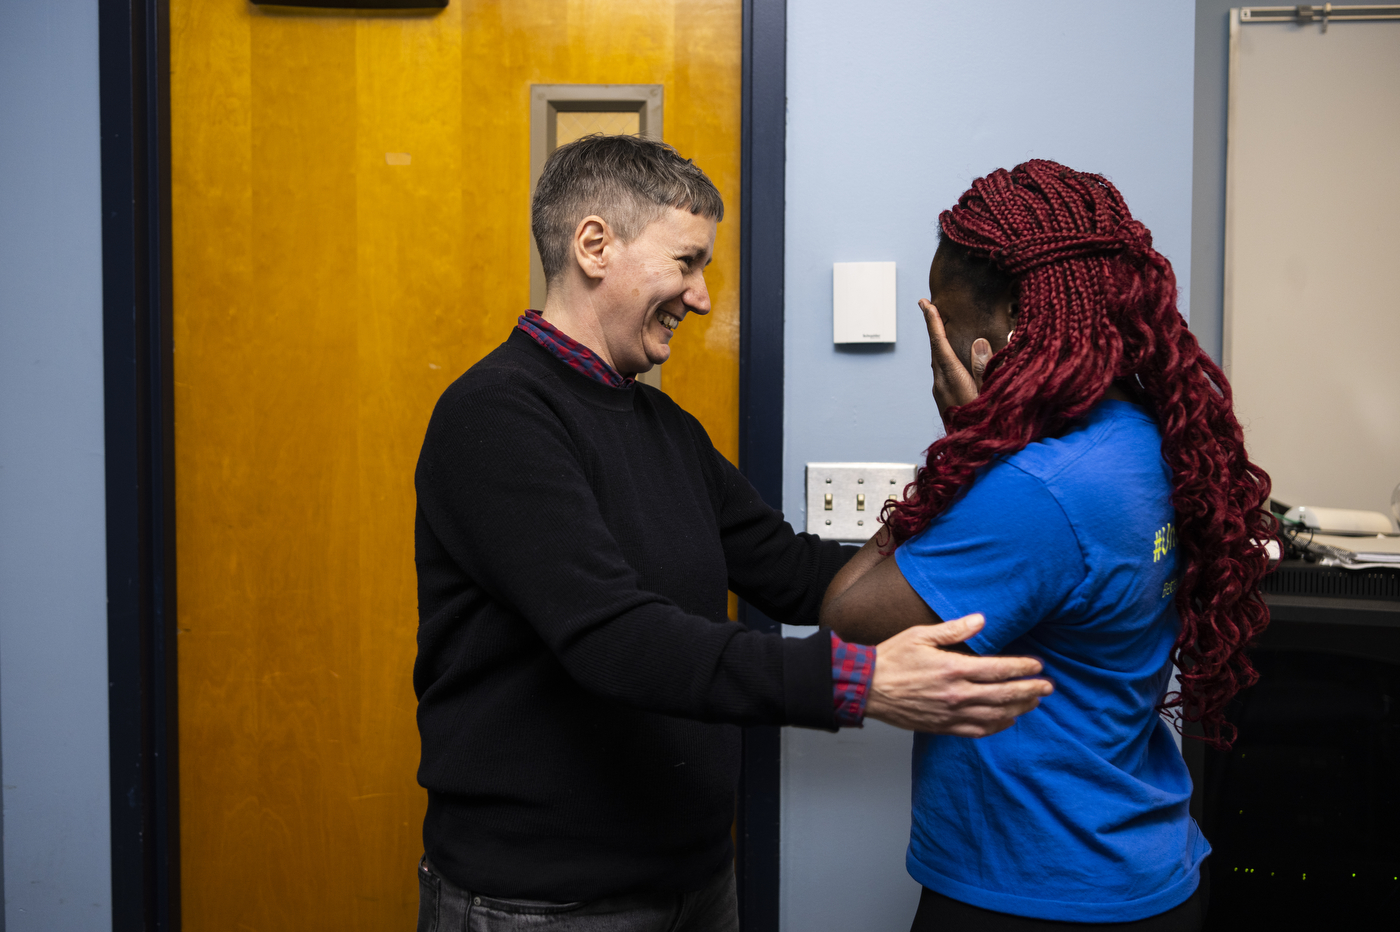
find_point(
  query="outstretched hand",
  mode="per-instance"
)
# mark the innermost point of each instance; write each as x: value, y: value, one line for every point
x: 953, y: 384
x: 919, y: 686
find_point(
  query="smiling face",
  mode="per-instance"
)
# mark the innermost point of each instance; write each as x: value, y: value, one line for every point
x: 651, y: 284
x: 968, y: 315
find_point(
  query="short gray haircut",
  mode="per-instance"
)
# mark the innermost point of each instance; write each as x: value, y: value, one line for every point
x: 629, y: 181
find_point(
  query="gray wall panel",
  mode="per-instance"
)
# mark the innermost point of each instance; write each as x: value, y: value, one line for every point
x: 1208, y: 171
x: 53, y: 598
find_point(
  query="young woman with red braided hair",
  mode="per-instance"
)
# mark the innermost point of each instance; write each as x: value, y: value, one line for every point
x: 1093, y: 500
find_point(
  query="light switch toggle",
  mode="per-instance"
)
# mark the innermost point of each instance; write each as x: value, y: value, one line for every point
x: 828, y: 501
x: 860, y: 502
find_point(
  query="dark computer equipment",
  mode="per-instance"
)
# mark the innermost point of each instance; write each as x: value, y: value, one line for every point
x: 1303, y: 813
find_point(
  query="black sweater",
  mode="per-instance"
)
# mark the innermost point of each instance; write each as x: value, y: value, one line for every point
x: 579, y: 684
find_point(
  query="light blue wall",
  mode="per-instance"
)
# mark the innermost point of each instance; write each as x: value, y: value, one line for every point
x: 894, y: 106
x: 53, y: 590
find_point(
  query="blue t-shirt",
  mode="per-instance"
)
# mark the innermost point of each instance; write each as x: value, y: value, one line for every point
x: 1079, y: 811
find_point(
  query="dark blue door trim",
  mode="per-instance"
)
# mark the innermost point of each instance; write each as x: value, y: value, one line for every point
x: 762, y: 206
x: 134, y: 69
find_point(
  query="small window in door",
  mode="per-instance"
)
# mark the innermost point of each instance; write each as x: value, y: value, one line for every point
x: 575, y: 124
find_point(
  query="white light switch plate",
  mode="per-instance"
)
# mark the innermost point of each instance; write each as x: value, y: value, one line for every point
x: 851, y: 517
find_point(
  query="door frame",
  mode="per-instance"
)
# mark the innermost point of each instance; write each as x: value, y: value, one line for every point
x: 134, y: 72
x: 763, y: 202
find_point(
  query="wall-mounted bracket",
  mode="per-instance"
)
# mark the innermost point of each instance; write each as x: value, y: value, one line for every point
x: 1305, y: 13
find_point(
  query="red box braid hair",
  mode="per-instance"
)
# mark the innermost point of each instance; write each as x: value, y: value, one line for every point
x: 1098, y: 303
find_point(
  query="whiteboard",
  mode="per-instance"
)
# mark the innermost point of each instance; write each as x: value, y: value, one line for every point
x: 1312, y: 257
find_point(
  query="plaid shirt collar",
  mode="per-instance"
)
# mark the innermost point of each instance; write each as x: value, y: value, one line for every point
x: 570, y: 351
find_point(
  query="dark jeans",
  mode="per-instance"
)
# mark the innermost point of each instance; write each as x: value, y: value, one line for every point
x: 938, y: 913
x: 443, y: 907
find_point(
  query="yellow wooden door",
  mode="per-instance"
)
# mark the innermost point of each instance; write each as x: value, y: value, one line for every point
x: 350, y: 197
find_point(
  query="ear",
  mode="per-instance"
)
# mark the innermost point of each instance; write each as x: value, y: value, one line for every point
x: 594, y: 242
x: 998, y: 326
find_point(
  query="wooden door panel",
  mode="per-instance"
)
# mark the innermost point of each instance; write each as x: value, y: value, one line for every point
x: 351, y: 229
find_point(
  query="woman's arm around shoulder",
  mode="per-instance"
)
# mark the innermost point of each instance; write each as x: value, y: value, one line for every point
x: 870, y: 601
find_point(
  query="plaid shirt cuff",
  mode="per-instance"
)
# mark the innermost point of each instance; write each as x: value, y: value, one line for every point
x: 852, y: 666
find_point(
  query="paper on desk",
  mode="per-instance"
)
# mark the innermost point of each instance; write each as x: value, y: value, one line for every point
x: 1352, y: 551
